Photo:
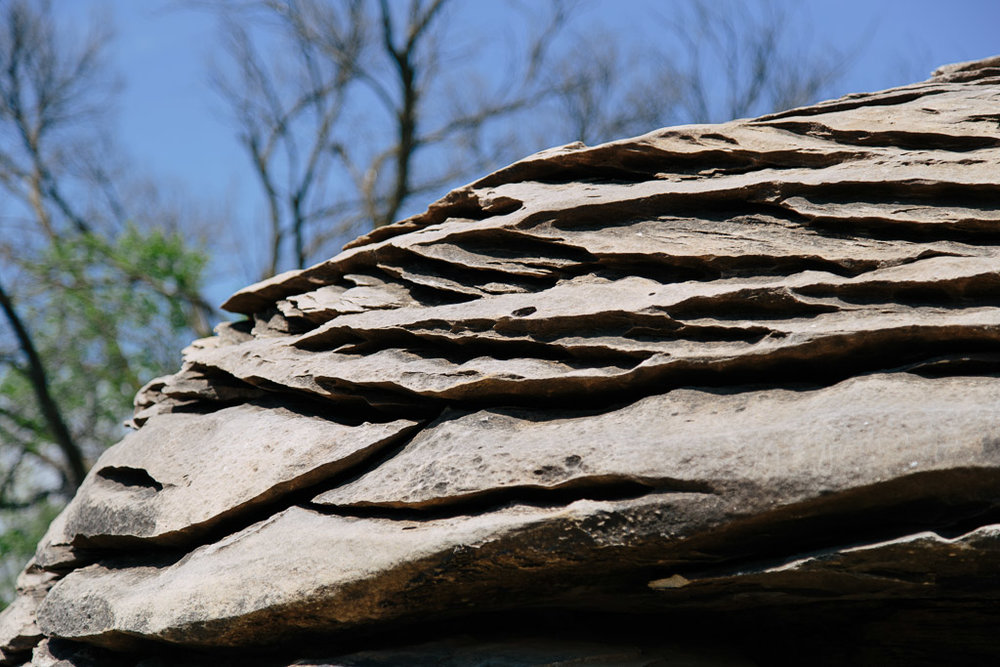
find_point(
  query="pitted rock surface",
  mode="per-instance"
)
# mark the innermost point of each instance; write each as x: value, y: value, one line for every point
x: 715, y: 395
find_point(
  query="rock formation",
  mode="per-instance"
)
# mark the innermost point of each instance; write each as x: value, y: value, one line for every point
x: 715, y: 395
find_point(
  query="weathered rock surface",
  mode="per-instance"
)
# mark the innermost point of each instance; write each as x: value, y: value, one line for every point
x: 19, y: 630
x: 146, y: 487
x: 716, y: 395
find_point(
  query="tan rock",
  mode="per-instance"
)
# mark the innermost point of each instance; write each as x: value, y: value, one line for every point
x: 352, y: 571
x: 803, y: 443
x: 19, y: 631
x: 688, y: 387
x: 182, y: 474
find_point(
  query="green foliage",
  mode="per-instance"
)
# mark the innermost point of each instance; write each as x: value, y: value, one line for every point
x: 106, y: 315
x: 127, y: 298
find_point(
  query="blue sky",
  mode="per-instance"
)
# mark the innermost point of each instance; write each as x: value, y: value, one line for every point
x: 175, y: 128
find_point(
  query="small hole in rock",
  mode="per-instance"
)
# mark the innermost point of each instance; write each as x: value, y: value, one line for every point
x: 129, y: 477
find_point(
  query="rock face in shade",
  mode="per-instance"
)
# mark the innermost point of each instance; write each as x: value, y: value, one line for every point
x: 715, y: 395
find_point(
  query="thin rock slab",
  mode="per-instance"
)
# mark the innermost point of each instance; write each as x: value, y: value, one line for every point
x: 182, y: 474
x: 924, y: 568
x: 937, y: 137
x: 829, y: 344
x: 795, y: 443
x: 303, y: 572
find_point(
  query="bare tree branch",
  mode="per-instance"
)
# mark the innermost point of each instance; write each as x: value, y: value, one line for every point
x: 39, y: 378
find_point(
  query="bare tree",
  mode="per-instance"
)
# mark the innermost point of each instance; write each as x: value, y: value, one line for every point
x: 346, y: 128
x: 75, y: 468
x: 607, y: 91
x: 351, y: 110
x: 737, y: 59
x: 712, y: 61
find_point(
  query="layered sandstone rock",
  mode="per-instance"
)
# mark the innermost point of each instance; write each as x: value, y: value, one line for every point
x: 716, y: 395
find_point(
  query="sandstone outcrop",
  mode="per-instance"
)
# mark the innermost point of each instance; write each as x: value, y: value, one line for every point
x: 715, y: 395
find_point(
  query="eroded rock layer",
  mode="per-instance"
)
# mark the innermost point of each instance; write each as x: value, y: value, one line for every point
x: 735, y: 381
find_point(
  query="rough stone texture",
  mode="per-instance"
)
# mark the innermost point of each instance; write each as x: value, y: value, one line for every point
x: 19, y: 631
x: 716, y: 395
x: 795, y: 444
x: 147, y: 488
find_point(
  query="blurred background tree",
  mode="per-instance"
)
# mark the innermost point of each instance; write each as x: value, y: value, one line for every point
x: 99, y: 286
x: 355, y: 112
x: 352, y: 114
